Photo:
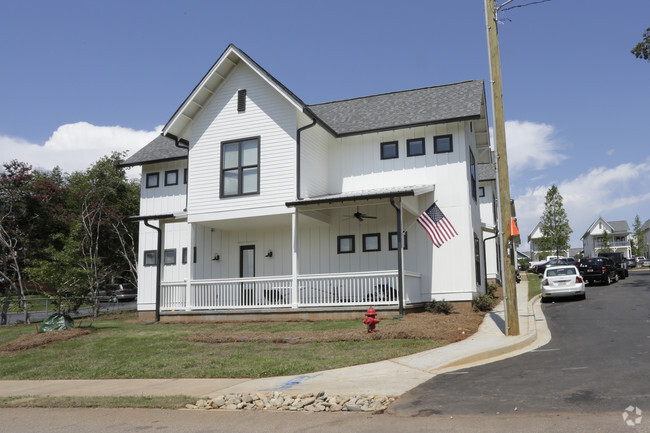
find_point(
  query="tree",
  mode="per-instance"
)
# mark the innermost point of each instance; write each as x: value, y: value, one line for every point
x: 642, y: 49
x: 554, y: 224
x: 606, y: 246
x: 639, y: 244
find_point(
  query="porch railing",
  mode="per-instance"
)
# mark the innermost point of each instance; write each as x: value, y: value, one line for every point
x: 366, y: 288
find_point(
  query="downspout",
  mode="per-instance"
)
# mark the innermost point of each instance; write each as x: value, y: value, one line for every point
x: 158, y: 267
x: 400, y: 270
x: 298, y: 136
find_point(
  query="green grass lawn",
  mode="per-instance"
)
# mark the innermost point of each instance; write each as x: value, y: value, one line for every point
x: 534, y: 285
x: 120, y: 348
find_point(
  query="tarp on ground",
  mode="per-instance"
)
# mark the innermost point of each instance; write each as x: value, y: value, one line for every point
x: 56, y: 322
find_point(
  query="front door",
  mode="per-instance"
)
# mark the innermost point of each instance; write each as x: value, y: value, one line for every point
x: 247, y: 270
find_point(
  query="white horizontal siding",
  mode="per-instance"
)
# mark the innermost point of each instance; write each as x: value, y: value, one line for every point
x: 269, y: 116
x: 314, y: 149
x: 163, y: 199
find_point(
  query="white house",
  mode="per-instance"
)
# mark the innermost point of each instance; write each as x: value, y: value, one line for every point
x: 488, y: 193
x: 619, y: 237
x: 535, y: 250
x: 262, y: 203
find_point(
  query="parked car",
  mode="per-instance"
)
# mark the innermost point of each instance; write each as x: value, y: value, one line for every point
x: 639, y: 259
x: 117, y: 292
x: 631, y: 263
x: 619, y: 262
x: 601, y: 269
x: 645, y: 262
x: 562, y: 280
x: 539, y: 269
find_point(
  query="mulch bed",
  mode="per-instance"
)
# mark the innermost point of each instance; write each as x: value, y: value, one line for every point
x: 444, y: 328
x: 29, y: 341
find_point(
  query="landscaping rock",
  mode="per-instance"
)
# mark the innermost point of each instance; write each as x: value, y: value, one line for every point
x: 319, y: 402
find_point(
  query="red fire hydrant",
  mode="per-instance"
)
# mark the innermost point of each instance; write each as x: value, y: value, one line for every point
x: 371, y: 319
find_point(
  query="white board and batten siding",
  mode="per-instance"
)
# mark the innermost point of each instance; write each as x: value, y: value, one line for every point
x: 270, y: 117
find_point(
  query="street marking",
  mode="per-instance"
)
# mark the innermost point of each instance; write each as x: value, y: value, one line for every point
x: 545, y: 350
x: 575, y: 368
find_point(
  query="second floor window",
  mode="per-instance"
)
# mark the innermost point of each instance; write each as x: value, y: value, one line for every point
x: 240, y: 167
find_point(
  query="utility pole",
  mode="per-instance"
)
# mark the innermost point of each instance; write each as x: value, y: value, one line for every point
x: 509, y: 284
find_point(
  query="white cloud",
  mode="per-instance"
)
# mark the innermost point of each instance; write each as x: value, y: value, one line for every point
x: 75, y: 146
x: 616, y: 193
x: 531, y: 145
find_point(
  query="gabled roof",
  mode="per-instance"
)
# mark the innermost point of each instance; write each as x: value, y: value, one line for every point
x: 159, y: 149
x: 616, y: 227
x: 403, y: 109
x: 194, y: 103
x: 645, y: 226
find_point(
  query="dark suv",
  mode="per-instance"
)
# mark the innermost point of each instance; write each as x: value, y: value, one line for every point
x: 600, y: 269
x: 619, y: 262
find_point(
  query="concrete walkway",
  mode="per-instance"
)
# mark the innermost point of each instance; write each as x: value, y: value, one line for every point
x: 391, y: 377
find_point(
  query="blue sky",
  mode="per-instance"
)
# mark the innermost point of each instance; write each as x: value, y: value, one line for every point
x: 82, y: 78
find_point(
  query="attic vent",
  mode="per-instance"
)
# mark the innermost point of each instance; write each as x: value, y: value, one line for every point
x: 241, y: 100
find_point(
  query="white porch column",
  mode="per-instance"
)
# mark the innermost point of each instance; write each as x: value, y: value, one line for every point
x: 294, y: 259
x: 190, y: 269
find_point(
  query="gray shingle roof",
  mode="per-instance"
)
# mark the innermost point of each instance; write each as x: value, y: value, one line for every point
x: 486, y: 172
x: 402, y: 109
x: 160, y: 149
x: 619, y: 226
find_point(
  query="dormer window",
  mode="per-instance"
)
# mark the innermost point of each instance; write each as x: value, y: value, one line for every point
x: 241, y: 100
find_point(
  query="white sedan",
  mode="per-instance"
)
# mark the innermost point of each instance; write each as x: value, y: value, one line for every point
x: 562, y: 281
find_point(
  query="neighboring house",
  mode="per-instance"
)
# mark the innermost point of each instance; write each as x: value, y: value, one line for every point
x: 535, y: 250
x: 487, y: 193
x: 263, y: 203
x: 619, y: 237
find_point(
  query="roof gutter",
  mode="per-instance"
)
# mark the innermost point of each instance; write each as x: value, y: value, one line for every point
x: 298, y: 141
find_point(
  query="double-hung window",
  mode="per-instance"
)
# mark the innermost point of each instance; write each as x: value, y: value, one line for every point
x: 240, y: 167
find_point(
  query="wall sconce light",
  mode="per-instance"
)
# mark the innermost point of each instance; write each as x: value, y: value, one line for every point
x: 269, y: 254
x: 216, y: 257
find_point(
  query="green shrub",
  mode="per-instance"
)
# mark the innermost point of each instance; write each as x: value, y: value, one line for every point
x: 484, y: 302
x: 439, y: 307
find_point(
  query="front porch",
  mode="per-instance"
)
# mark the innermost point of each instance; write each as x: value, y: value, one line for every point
x: 354, y: 289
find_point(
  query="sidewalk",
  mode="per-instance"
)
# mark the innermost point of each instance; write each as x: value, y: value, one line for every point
x: 391, y: 377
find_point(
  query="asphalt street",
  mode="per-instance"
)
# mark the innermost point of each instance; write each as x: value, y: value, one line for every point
x: 596, y: 362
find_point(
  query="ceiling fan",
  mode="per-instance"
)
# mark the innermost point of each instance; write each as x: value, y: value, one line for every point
x: 361, y: 216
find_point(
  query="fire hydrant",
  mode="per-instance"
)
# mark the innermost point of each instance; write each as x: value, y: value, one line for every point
x: 371, y: 319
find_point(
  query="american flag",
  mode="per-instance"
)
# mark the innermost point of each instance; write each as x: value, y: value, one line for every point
x: 437, y: 225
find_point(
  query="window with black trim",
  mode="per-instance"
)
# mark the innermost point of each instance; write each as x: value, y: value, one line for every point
x: 392, y: 241
x: 481, y: 191
x: 389, y: 150
x: 240, y: 167
x: 184, y: 256
x: 345, y: 244
x: 185, y: 176
x: 171, y: 177
x: 443, y: 144
x: 170, y: 257
x: 152, y: 180
x: 472, y: 174
x: 241, y: 100
x: 150, y: 258
x: 371, y: 242
x: 193, y: 254
x: 415, y: 147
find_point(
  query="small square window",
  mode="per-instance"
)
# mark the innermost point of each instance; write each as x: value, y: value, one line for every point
x: 371, y: 242
x: 170, y: 257
x: 171, y: 177
x: 392, y: 241
x: 345, y: 244
x: 389, y: 150
x: 415, y: 147
x: 184, y: 255
x: 481, y: 191
x: 442, y: 144
x: 150, y: 258
x: 152, y: 180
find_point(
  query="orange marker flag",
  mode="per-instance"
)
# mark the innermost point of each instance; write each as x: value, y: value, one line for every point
x: 514, y: 231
